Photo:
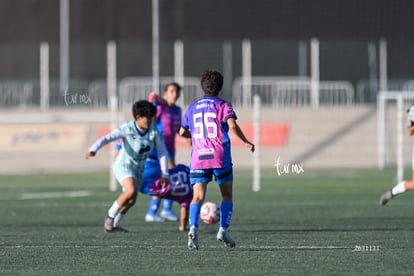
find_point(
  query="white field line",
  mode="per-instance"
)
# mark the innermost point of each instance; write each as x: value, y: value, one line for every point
x: 247, y: 247
x: 55, y: 195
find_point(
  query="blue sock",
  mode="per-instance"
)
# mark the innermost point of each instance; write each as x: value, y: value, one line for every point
x: 167, y: 204
x: 226, y: 210
x: 153, y: 206
x: 194, y: 214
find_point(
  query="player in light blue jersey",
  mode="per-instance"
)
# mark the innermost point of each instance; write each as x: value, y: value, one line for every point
x: 178, y: 189
x: 138, y: 137
x: 207, y: 122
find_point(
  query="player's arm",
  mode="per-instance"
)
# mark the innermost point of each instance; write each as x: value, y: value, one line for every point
x: 155, y: 99
x: 184, y: 132
x: 114, y: 135
x: 410, y: 130
x: 235, y: 129
x: 89, y: 154
x: 162, y: 153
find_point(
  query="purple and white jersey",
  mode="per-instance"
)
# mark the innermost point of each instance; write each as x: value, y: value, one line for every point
x: 206, y: 119
x: 178, y: 189
x: 169, y: 122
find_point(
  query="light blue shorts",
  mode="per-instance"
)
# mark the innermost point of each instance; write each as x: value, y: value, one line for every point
x: 121, y: 172
x: 412, y: 156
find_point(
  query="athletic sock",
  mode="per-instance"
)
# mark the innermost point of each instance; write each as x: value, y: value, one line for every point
x: 399, y: 188
x: 222, y: 229
x: 118, y: 218
x: 153, y: 206
x: 194, y: 214
x: 167, y: 205
x: 114, y: 210
x: 226, y: 210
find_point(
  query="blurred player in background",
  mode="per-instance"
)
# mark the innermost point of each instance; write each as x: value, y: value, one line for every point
x: 405, y: 185
x: 178, y: 189
x: 139, y: 137
x: 168, y: 122
x: 207, y: 121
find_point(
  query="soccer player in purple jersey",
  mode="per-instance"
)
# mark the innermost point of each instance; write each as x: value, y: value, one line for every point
x: 168, y: 123
x: 207, y: 121
x: 178, y: 188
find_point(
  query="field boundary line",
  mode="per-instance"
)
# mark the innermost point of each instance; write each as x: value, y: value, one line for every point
x: 47, y: 195
x: 251, y: 247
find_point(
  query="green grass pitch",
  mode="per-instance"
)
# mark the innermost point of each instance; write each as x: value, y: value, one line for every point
x: 325, y: 222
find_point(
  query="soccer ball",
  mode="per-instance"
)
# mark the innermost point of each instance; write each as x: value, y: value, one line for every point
x: 210, y: 212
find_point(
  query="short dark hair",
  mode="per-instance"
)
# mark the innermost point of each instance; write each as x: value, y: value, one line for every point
x: 143, y: 108
x: 177, y: 86
x: 211, y: 82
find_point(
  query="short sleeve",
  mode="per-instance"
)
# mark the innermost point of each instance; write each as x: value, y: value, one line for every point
x: 185, y: 123
x: 228, y: 112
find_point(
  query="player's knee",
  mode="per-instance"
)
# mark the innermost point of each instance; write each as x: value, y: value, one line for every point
x: 132, y: 201
x: 198, y: 199
x: 226, y: 191
x: 131, y: 193
x: 227, y: 197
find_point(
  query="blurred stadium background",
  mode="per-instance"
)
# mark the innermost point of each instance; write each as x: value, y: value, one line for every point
x: 318, y: 67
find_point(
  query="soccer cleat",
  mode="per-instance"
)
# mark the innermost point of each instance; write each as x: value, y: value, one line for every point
x: 192, y: 239
x: 109, y: 224
x: 119, y: 229
x: 153, y: 218
x: 223, y: 236
x: 386, y: 197
x: 169, y: 215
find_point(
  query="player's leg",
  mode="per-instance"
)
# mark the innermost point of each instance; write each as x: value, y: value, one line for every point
x: 183, y: 219
x: 153, y: 206
x: 199, y: 191
x: 226, y: 211
x: 167, y: 211
x: 151, y: 173
x: 409, y: 185
x: 122, y: 213
x: 199, y: 180
x: 400, y: 187
x: 226, y: 206
x: 224, y: 178
x: 127, y: 197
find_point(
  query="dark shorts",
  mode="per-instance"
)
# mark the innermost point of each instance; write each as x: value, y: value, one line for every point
x: 222, y: 175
